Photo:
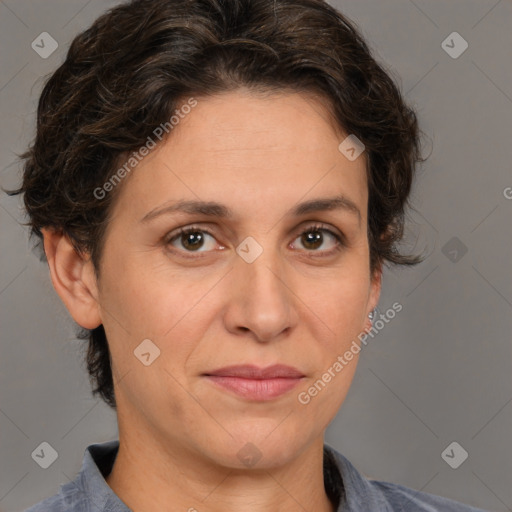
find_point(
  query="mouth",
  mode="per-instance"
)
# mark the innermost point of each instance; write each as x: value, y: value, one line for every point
x: 253, y: 383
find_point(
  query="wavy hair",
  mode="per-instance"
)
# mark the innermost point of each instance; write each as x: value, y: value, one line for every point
x: 130, y: 70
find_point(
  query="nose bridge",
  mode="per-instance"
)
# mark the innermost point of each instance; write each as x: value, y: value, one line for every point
x: 262, y: 262
x: 264, y: 301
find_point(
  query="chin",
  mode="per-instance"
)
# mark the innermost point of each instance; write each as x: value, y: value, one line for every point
x: 263, y: 449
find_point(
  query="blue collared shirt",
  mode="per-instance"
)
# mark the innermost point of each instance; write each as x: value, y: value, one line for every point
x: 89, y: 492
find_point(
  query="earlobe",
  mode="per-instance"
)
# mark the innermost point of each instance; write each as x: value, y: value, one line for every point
x: 373, y: 300
x: 73, y: 278
x: 376, y: 287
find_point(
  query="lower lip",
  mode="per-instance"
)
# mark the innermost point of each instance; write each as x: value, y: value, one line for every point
x: 256, y: 389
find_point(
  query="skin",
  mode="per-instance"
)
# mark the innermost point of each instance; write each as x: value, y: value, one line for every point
x: 295, y: 304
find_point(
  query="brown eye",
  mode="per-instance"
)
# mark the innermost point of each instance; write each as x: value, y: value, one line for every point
x: 191, y: 240
x: 314, y: 237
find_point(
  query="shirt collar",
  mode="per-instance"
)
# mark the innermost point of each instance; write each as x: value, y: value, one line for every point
x: 359, y: 492
x: 97, y: 464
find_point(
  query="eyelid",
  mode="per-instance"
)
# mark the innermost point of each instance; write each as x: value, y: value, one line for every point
x: 312, y: 225
x: 184, y: 229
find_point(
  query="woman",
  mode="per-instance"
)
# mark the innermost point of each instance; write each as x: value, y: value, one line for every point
x: 217, y: 186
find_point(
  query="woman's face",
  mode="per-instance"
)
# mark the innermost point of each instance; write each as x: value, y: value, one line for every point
x: 261, y: 286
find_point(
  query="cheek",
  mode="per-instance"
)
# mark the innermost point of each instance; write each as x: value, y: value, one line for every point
x: 170, y: 309
x: 149, y: 300
x: 341, y: 301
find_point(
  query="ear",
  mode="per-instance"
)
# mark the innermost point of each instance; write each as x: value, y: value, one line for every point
x: 374, y: 295
x: 73, y: 278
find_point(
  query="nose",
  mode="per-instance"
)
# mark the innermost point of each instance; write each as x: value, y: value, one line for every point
x: 261, y: 303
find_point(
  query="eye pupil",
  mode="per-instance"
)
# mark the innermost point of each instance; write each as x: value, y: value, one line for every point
x: 192, y: 240
x: 313, y: 238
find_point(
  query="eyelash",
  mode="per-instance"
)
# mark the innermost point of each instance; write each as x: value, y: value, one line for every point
x: 341, y: 241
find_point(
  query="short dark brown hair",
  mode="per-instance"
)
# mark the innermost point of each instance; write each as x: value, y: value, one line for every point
x: 130, y: 70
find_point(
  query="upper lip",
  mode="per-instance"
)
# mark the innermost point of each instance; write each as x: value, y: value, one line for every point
x: 249, y: 371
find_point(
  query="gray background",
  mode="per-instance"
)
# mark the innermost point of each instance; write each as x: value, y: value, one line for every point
x: 437, y: 373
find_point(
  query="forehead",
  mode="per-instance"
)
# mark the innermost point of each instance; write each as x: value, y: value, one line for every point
x: 246, y: 150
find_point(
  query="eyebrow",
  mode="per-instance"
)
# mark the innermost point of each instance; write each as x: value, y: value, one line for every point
x: 214, y: 209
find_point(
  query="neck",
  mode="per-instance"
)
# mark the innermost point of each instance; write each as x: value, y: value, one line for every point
x: 148, y: 476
